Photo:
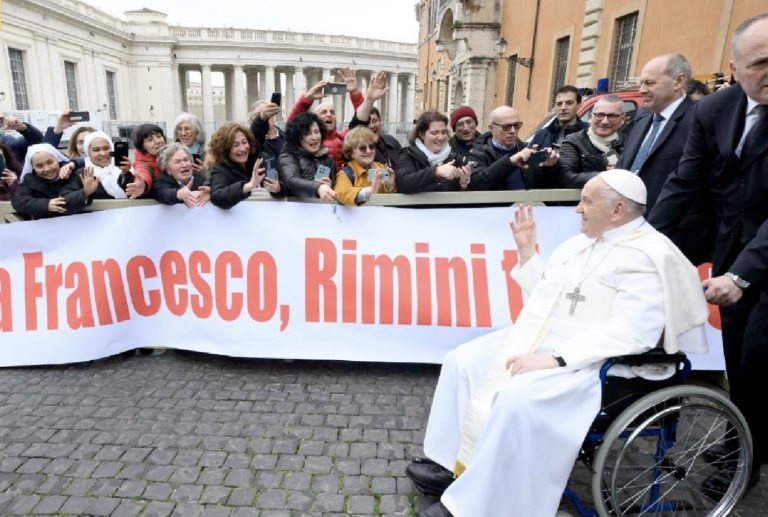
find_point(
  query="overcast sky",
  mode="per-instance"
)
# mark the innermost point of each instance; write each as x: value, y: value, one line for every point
x: 379, y: 19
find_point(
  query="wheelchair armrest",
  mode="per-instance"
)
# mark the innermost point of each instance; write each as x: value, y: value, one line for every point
x: 655, y: 356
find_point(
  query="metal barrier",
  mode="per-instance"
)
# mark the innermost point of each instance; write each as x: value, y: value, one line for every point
x: 432, y: 199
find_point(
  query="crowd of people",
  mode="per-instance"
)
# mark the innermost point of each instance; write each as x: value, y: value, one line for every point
x: 311, y: 157
x: 692, y: 166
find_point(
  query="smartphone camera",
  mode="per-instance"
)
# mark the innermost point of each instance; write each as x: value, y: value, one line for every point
x: 537, y: 157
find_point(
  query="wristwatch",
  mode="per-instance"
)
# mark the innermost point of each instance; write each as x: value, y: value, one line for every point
x: 740, y: 282
x: 558, y: 358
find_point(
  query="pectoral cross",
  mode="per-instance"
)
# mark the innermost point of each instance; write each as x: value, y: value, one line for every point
x: 575, y: 298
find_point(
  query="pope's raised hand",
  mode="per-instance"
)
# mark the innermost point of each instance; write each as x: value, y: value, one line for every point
x: 524, y: 231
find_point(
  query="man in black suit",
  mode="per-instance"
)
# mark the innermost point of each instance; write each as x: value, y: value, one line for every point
x: 730, y: 129
x: 655, y: 144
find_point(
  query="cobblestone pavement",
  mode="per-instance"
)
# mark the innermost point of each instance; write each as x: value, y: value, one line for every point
x: 192, y: 434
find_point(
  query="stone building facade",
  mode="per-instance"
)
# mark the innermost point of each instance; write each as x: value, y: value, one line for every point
x: 487, y: 53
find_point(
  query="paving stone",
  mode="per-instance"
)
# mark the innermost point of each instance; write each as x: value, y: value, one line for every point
x: 329, y: 502
x: 187, y: 493
x: 75, y: 505
x: 131, y: 488
x: 158, y: 509
x: 398, y: 504
x: 22, y: 504
x: 363, y: 450
x: 239, y: 478
x: 128, y: 508
x: 374, y: 467
x: 242, y: 497
x: 158, y: 491
x: 356, y: 485
x: 318, y: 464
x: 108, y: 469
x: 79, y: 487
x: 361, y: 504
x: 297, y: 481
x: 49, y: 504
x: 215, y: 494
x: 327, y: 484
x: 33, y: 466
x: 101, y: 506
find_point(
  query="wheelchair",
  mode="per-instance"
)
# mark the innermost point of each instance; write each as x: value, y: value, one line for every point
x: 656, y: 446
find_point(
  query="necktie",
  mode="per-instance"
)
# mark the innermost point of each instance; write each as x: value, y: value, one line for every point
x: 642, y: 153
x: 759, y: 128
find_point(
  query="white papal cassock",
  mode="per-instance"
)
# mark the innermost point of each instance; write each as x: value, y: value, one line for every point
x: 514, y: 439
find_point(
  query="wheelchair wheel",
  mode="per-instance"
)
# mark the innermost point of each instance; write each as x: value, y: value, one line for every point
x: 658, y: 456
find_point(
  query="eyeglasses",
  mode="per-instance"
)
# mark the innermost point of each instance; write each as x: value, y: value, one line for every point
x: 366, y: 147
x: 508, y: 127
x: 613, y: 117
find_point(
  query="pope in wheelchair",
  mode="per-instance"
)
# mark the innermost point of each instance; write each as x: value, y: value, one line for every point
x: 512, y: 408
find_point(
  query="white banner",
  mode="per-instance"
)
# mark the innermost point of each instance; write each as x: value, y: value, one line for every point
x: 272, y: 280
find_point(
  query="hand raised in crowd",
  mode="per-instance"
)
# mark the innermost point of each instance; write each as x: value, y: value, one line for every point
x: 257, y: 177
x: 377, y: 87
x: 125, y: 166
x: 14, y: 124
x: 66, y: 171
x: 389, y: 183
x: 348, y: 76
x: 198, y: 167
x: 552, y: 158
x: 204, y: 195
x: 721, y: 290
x: 57, y: 205
x: 187, y: 196
x: 136, y: 188
x: 268, y: 110
x: 375, y: 185
x: 325, y: 192
x: 8, y: 178
x: 90, y: 181
x: 446, y: 171
x: 272, y: 185
x: 316, y: 92
x: 464, y: 174
x: 63, y: 122
x: 524, y: 231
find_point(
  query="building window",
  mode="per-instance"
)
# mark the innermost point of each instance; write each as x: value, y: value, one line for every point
x: 18, y: 78
x: 70, y: 75
x: 511, y: 79
x: 111, y: 97
x: 622, y: 48
x: 560, y: 68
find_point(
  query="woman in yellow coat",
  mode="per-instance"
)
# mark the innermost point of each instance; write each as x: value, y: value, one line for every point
x: 361, y: 177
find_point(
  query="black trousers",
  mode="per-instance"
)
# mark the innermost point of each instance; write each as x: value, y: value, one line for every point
x: 745, y: 344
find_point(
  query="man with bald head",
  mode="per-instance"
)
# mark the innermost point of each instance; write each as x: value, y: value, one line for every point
x: 501, y: 158
x: 656, y: 142
x: 730, y: 132
x: 503, y: 400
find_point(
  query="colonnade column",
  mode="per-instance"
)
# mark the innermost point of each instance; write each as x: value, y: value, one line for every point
x: 183, y: 76
x: 269, y: 83
x: 410, y: 97
x: 252, y: 86
x: 207, y: 91
x: 239, y: 107
x: 289, y: 95
x: 392, y: 96
x: 299, y: 86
